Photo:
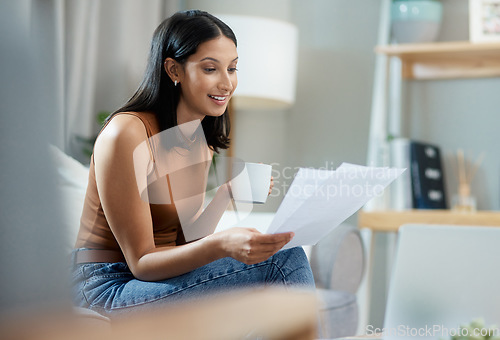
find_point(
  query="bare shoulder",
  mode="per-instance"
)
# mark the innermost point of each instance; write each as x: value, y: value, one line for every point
x: 122, y: 134
x: 124, y: 126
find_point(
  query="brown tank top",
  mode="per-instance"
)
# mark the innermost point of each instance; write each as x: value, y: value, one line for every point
x: 95, y: 232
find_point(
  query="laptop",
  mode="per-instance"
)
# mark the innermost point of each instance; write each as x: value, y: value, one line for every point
x: 443, y: 277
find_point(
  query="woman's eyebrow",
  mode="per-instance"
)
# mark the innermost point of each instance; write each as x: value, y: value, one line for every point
x: 215, y: 60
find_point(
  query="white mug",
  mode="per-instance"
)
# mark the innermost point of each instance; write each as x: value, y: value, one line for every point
x: 251, y: 182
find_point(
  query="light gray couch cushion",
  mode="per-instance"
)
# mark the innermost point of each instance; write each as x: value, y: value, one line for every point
x: 337, y: 260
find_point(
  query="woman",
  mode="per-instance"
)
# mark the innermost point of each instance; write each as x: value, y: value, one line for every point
x: 130, y: 252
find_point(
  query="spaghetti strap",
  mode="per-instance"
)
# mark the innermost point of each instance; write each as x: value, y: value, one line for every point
x: 151, y: 145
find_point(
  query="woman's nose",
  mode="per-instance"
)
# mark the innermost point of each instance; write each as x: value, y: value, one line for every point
x: 226, y: 83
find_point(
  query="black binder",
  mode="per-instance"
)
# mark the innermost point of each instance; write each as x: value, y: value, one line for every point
x: 427, y: 176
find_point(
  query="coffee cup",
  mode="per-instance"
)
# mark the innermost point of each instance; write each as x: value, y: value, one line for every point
x: 250, y: 182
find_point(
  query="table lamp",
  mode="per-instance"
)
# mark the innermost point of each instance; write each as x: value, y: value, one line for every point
x: 267, y: 64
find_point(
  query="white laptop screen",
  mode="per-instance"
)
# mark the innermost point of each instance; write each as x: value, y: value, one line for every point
x: 443, y: 277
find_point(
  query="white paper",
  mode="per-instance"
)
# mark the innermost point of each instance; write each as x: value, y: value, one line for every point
x: 319, y: 200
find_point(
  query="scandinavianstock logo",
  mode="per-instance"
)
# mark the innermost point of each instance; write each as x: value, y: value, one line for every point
x: 329, y: 182
x: 171, y: 167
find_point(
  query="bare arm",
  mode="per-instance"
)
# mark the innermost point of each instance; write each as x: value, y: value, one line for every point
x: 130, y: 220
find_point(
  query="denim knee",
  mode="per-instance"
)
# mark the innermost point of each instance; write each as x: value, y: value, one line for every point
x: 294, y: 267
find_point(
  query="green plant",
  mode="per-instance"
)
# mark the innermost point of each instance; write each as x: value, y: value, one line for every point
x: 88, y: 143
x: 476, y: 330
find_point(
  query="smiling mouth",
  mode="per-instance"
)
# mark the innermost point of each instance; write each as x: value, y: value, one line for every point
x: 219, y: 98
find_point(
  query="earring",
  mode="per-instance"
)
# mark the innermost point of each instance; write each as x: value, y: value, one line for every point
x: 175, y: 83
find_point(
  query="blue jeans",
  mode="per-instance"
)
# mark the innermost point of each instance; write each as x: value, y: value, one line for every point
x: 111, y: 289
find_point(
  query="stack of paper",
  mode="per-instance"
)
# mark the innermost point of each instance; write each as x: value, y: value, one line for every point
x: 319, y: 200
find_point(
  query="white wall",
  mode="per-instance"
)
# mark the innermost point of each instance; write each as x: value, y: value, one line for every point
x: 329, y: 122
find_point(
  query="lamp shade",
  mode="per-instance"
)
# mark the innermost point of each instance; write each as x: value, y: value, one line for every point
x: 267, y: 65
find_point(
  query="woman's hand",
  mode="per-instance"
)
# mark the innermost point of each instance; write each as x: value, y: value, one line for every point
x: 271, y: 186
x: 249, y: 246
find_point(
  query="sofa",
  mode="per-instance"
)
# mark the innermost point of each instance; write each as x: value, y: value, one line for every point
x: 338, y: 265
x: 337, y: 261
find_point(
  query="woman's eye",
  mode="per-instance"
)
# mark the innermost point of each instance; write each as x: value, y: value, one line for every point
x: 209, y: 70
x: 232, y: 69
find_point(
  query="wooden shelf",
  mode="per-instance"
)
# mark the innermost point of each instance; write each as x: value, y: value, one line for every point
x: 446, y: 60
x: 390, y: 221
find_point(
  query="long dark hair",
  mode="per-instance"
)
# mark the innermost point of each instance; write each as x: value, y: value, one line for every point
x: 178, y: 37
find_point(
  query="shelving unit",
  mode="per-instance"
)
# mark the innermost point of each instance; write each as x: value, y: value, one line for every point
x: 395, y: 64
x: 446, y: 60
x: 440, y: 60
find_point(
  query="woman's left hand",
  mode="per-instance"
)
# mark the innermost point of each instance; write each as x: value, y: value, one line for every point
x: 271, y: 186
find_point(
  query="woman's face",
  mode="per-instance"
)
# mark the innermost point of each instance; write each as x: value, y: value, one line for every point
x: 207, y: 80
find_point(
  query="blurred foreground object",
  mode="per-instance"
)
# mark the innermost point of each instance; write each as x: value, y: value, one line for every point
x: 32, y: 261
x: 270, y: 313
